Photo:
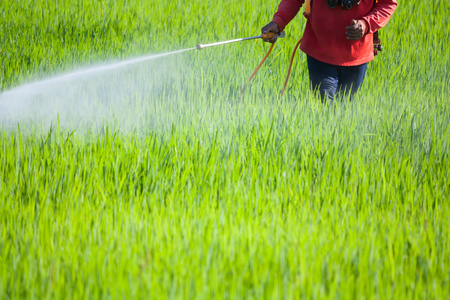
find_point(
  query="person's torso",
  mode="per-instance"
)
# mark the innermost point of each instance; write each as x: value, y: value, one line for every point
x: 325, y: 34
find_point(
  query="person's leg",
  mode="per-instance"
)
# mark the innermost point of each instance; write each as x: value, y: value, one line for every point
x: 351, y: 79
x: 324, y: 78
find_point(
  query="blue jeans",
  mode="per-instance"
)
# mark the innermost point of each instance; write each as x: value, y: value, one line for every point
x: 331, y: 80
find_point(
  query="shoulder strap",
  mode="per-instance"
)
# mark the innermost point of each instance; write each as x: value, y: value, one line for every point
x: 308, y: 4
x: 377, y: 47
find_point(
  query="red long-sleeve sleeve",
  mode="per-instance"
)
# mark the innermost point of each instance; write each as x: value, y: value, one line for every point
x: 380, y: 14
x: 324, y: 37
x: 287, y: 10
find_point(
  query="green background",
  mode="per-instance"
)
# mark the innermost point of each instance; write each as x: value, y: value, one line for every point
x: 191, y: 193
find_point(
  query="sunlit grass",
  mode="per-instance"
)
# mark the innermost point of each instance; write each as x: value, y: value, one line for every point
x: 193, y: 194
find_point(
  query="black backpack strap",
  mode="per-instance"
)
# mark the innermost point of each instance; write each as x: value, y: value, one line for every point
x: 377, y: 47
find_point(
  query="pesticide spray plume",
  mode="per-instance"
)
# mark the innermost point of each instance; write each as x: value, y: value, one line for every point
x: 116, y: 93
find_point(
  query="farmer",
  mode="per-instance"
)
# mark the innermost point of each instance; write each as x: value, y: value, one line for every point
x: 338, y: 39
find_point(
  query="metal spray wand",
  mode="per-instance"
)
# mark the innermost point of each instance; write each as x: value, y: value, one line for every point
x: 264, y: 36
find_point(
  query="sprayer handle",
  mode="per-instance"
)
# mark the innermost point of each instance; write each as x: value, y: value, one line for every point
x: 269, y: 35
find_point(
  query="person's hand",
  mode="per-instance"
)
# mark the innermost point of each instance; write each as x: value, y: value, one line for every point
x: 356, y: 30
x: 271, y: 27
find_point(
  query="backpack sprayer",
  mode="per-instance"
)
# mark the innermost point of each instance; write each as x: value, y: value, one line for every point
x: 264, y: 36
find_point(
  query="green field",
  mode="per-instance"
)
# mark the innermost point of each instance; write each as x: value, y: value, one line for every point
x: 155, y: 181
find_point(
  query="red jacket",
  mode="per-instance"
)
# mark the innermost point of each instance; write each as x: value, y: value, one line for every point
x: 324, y: 37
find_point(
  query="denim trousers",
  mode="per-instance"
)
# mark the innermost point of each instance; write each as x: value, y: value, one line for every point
x: 335, y: 81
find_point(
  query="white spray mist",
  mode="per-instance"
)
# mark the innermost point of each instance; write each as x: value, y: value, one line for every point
x: 112, y: 93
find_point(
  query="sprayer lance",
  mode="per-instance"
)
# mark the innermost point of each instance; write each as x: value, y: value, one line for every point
x: 264, y: 36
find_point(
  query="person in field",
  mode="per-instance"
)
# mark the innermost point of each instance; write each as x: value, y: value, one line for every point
x: 338, y: 39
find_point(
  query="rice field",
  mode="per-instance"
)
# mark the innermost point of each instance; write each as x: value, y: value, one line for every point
x: 155, y: 180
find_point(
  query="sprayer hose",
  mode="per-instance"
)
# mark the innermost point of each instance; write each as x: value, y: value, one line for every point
x: 262, y: 62
x: 290, y: 67
x: 257, y: 69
